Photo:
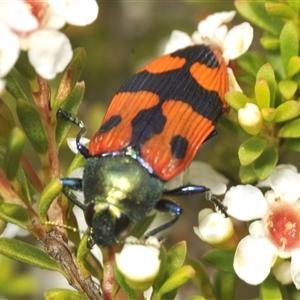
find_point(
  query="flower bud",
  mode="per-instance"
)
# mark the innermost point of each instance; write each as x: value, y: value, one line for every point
x: 250, y: 118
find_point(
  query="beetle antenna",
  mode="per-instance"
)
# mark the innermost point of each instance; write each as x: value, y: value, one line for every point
x: 65, y: 226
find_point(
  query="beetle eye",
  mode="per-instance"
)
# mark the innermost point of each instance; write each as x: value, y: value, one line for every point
x: 122, y: 223
x: 89, y: 213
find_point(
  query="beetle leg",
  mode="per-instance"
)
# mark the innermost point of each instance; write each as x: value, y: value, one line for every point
x: 197, y: 189
x: 71, y: 118
x: 72, y: 184
x: 169, y: 207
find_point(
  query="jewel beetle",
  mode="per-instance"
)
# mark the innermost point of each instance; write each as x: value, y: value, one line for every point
x: 151, y: 132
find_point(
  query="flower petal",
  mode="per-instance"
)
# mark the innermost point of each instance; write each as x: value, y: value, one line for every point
x: 282, y: 272
x: 237, y: 41
x: 295, y: 267
x: 78, y: 12
x: 245, y: 203
x: 177, y: 40
x: 72, y: 143
x: 253, y: 259
x: 286, y: 184
x: 49, y: 52
x: 9, y: 50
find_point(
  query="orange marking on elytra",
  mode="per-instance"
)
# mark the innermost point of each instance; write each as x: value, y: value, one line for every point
x: 181, y: 120
x: 163, y: 64
x: 119, y: 136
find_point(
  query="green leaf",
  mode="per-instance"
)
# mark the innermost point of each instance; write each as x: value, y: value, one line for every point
x: 28, y: 254
x: 219, y: 259
x: 225, y: 285
x: 177, y: 279
x: 262, y: 93
x: 280, y: 10
x: 128, y: 291
x: 288, y: 43
x: 50, y: 192
x: 71, y: 104
x: 70, y: 77
x: 14, y: 153
x: 268, y: 113
x: 236, y: 99
x: 256, y: 13
x: 293, y: 144
x: 176, y: 256
x: 14, y: 88
x: 288, y: 88
x: 22, y: 179
x: 32, y: 124
x: 82, y: 252
x: 25, y: 67
x: 270, y: 42
x: 290, y: 129
x: 247, y: 174
x: 63, y: 294
x: 251, y: 149
x: 265, y: 164
x: 16, y: 214
x: 270, y: 289
x: 287, y: 111
x: 7, y: 120
x: 293, y: 66
x: 267, y: 73
x: 251, y: 62
x: 294, y: 5
x: 141, y: 227
x: 159, y: 280
x: 201, y: 280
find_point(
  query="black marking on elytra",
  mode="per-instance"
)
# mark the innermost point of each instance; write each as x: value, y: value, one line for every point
x: 146, y: 124
x: 179, y: 146
x: 180, y: 85
x: 112, y: 122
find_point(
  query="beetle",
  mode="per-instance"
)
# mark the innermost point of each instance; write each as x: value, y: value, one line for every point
x: 151, y: 132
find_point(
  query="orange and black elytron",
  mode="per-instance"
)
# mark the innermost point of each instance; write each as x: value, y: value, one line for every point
x: 151, y: 132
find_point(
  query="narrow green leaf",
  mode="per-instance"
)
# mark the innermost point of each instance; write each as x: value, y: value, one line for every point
x: 251, y: 62
x: 14, y: 153
x: 16, y: 214
x: 14, y: 88
x: 219, y: 259
x: 288, y: 88
x: 236, y: 99
x: 251, y: 149
x: 293, y: 66
x: 22, y: 179
x: 70, y: 77
x: 293, y: 144
x: 270, y: 43
x: 141, y: 227
x: 177, y: 279
x: 270, y: 289
x: 159, y: 280
x: 28, y: 254
x: 7, y: 120
x: 64, y: 294
x: 265, y: 164
x: 294, y: 5
x: 82, y: 252
x: 176, y: 256
x: 247, y: 174
x: 256, y: 13
x: 32, y: 124
x: 225, y: 285
x: 267, y: 73
x: 262, y: 93
x: 280, y: 10
x: 289, y: 45
x: 25, y: 67
x: 287, y: 111
x: 290, y: 129
x: 201, y: 280
x: 71, y: 104
x: 50, y: 192
x: 129, y: 292
x: 268, y: 113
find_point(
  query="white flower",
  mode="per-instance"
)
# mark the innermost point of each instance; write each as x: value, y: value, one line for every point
x: 12, y: 230
x: 139, y: 263
x: 275, y: 233
x: 213, y: 32
x: 33, y: 26
x: 215, y: 229
x: 250, y: 118
x: 200, y: 173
